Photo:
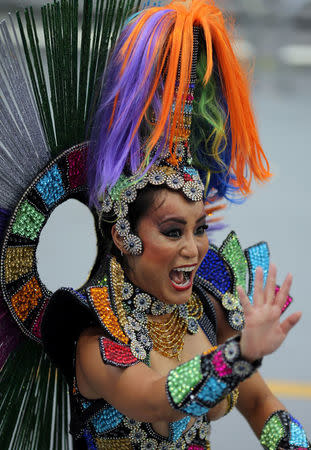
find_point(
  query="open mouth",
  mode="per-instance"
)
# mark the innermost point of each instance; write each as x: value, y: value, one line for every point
x: 181, y: 277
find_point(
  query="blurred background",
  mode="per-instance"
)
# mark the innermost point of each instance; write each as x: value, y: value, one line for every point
x: 273, y: 40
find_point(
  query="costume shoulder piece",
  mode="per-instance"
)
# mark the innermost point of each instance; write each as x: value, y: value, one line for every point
x: 226, y: 267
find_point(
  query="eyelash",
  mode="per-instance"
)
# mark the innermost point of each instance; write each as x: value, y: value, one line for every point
x: 170, y: 233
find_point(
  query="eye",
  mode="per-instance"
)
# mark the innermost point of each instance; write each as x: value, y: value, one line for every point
x: 172, y: 233
x: 201, y: 229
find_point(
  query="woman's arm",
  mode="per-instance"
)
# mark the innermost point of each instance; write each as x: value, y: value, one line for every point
x: 137, y: 391
x: 197, y: 385
x: 256, y: 402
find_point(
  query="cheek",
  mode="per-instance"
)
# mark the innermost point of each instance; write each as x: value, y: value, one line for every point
x: 157, y: 247
x: 203, y: 248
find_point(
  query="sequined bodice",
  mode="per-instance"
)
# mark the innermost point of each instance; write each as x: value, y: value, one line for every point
x: 107, y: 428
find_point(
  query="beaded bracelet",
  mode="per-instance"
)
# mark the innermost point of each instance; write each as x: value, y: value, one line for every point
x: 199, y: 384
x: 281, y: 429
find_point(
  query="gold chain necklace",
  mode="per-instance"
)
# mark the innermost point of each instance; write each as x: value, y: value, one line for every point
x: 168, y: 336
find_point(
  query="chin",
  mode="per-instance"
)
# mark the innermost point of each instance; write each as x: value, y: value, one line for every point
x: 178, y: 298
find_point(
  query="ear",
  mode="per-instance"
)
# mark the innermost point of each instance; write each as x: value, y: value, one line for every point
x: 117, y: 239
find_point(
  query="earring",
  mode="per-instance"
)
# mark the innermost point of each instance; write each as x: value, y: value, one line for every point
x: 122, y: 254
x: 133, y: 244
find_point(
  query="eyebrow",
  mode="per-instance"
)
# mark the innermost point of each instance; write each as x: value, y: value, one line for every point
x: 181, y: 221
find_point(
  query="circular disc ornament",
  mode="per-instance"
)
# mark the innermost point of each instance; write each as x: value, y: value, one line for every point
x: 25, y: 294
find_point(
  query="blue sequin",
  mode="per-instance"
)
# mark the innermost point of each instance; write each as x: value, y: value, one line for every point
x: 177, y: 428
x: 258, y: 255
x: 107, y: 419
x: 191, y: 171
x: 50, y: 186
x: 195, y: 409
x: 297, y: 435
x: 212, y: 390
x: 86, y: 404
x: 214, y: 270
x: 89, y: 441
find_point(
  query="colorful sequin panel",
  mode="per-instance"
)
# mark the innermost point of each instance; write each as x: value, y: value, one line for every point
x: 99, y: 299
x: 50, y: 186
x: 199, y: 384
x: 233, y: 254
x: 28, y: 221
x: 257, y: 256
x: 19, y: 262
x: 77, y: 168
x: 283, y: 430
x: 22, y: 288
x: 115, y: 354
x: 26, y: 299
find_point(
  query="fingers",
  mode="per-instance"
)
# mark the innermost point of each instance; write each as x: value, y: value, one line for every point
x: 283, y: 293
x: 290, y: 322
x: 270, y: 284
x: 258, y: 287
x: 246, y: 304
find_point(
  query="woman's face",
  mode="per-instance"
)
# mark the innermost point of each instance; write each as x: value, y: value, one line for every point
x: 175, y: 242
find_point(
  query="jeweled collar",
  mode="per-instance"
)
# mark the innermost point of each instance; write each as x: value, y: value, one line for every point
x: 131, y: 307
x: 140, y: 304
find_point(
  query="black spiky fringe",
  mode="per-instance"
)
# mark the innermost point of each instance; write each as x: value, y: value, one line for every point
x: 66, y: 96
x: 32, y: 391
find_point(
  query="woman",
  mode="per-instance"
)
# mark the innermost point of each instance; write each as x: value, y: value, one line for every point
x: 151, y: 345
x: 156, y: 358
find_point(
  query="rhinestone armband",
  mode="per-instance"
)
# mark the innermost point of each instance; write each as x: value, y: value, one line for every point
x: 283, y: 430
x: 199, y: 384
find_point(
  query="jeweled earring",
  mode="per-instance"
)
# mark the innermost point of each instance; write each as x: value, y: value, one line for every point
x: 132, y: 243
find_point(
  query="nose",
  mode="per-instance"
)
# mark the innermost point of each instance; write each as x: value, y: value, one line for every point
x: 190, y: 249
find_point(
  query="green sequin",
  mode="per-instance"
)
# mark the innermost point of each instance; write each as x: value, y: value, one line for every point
x: 183, y: 379
x: 119, y: 187
x: 28, y: 222
x: 232, y: 252
x: 272, y: 433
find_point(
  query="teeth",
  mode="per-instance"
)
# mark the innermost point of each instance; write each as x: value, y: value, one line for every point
x: 185, y: 269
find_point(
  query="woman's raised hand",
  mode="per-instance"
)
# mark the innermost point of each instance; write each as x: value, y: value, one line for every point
x: 264, y: 332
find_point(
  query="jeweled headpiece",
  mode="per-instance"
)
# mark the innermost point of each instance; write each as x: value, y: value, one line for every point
x: 173, y: 113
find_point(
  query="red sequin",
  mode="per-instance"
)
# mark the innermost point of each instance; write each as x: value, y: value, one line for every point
x: 36, y: 329
x: 77, y: 168
x: 187, y: 177
x: 116, y: 354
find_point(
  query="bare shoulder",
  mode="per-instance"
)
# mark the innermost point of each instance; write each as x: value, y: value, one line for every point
x: 89, y: 362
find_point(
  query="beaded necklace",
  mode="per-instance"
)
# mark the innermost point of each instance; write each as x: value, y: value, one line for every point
x: 135, y: 308
x: 167, y: 336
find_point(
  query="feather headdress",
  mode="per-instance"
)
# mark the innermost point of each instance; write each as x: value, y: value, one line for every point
x: 150, y: 71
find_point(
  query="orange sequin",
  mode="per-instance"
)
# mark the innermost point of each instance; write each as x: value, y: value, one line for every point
x: 26, y: 299
x: 173, y: 160
x: 210, y: 350
x: 102, y: 305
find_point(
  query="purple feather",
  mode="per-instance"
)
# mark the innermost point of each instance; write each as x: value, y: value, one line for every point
x: 112, y: 149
